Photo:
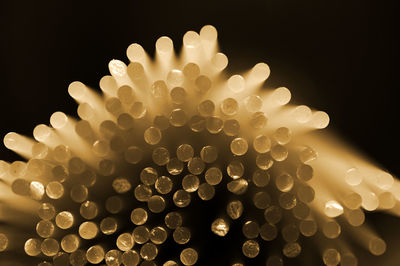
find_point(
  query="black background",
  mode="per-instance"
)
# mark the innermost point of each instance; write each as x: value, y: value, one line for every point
x: 337, y: 56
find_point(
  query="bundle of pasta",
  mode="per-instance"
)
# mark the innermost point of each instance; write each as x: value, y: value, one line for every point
x: 122, y: 184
